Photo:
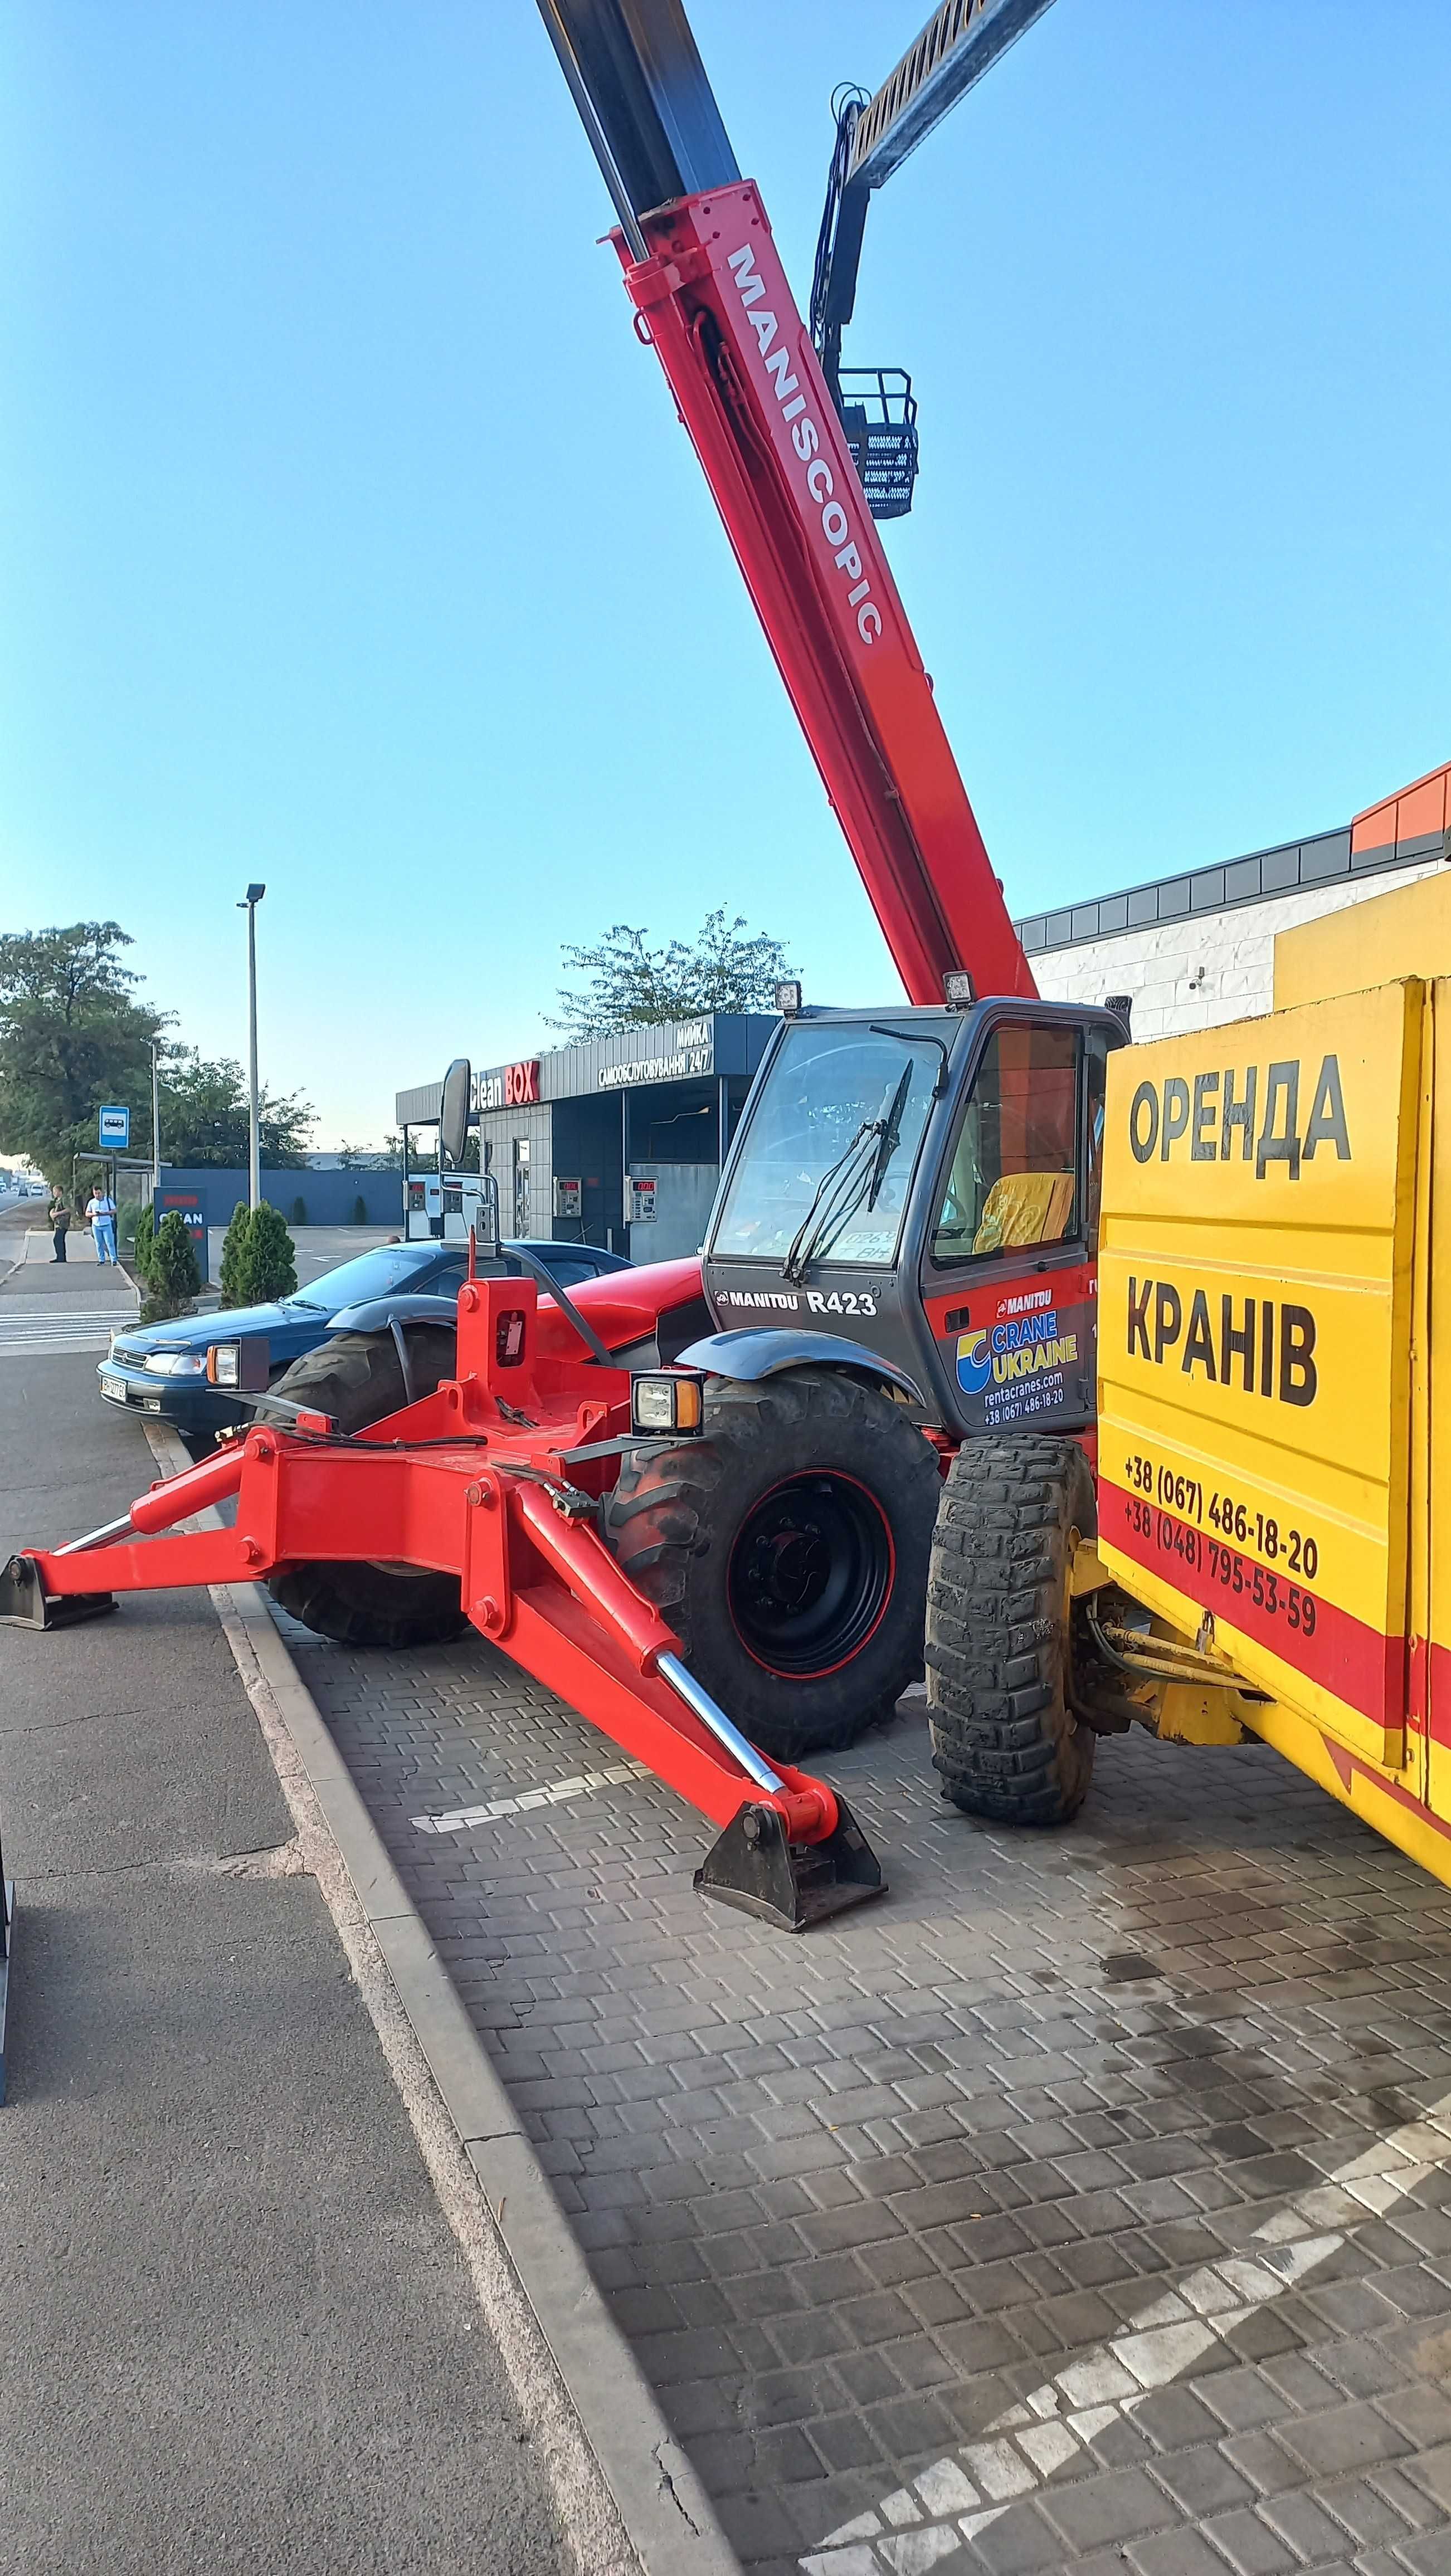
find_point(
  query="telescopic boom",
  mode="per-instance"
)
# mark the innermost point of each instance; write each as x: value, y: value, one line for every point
x: 711, y: 295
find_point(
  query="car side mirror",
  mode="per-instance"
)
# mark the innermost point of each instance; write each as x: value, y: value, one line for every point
x: 453, y: 1113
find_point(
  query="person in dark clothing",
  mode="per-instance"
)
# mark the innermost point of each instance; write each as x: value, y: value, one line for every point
x: 60, y: 1226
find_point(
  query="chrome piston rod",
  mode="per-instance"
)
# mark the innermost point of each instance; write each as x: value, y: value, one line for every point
x: 686, y: 1687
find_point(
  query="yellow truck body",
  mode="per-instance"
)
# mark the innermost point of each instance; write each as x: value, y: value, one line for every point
x: 1274, y: 1288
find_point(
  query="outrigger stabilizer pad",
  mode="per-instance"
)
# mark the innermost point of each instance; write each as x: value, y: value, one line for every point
x: 24, y: 1603
x: 790, y: 1885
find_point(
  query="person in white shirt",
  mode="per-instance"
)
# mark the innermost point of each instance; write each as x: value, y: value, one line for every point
x: 101, y: 1216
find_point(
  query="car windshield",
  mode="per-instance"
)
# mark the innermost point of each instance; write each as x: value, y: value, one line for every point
x: 373, y: 1274
x: 834, y: 1086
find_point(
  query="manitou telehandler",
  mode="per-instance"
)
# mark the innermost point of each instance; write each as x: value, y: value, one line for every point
x: 715, y: 1504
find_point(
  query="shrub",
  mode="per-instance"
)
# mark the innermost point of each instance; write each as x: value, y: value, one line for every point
x: 233, y: 1247
x: 145, y: 1241
x: 267, y: 1265
x: 360, y: 1210
x: 172, y: 1272
x: 297, y: 1213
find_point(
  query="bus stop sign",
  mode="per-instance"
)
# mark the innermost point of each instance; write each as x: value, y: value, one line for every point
x: 116, y: 1129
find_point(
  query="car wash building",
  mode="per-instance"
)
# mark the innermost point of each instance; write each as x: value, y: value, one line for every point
x: 617, y: 1141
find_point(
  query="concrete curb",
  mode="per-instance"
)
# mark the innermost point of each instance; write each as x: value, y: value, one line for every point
x: 19, y: 1262
x: 666, y: 2515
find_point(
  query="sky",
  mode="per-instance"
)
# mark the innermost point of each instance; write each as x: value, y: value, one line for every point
x: 349, y: 542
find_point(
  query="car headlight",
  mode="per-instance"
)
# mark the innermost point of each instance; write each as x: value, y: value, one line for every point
x: 672, y: 1402
x: 174, y: 1363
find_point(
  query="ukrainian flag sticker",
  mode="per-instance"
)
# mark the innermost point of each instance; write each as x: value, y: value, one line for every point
x: 974, y: 1362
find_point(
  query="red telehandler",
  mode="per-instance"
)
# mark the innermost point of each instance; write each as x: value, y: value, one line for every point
x: 699, y: 1500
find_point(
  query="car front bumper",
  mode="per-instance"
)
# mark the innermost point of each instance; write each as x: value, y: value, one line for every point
x: 188, y: 1404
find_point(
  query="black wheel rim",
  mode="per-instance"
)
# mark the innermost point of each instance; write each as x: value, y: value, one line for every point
x: 810, y: 1574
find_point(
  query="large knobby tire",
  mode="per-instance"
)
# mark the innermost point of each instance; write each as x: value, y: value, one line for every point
x: 787, y: 1546
x: 358, y: 1379
x: 1004, y: 1736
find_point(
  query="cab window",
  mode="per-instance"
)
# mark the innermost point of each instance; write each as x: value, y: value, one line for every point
x: 1012, y: 1184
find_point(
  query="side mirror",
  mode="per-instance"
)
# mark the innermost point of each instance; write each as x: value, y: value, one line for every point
x: 453, y: 1113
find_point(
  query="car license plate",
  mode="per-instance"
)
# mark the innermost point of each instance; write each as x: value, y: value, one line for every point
x: 114, y: 1389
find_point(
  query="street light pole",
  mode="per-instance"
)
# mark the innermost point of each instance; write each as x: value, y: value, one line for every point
x: 155, y: 1124
x: 254, y: 1157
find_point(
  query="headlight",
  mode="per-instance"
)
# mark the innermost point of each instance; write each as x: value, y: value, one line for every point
x: 173, y: 1364
x: 671, y: 1402
x: 224, y: 1363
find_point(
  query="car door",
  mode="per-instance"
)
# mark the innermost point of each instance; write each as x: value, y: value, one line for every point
x: 1008, y: 1280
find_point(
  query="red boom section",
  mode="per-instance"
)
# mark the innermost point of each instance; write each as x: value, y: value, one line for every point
x: 714, y: 300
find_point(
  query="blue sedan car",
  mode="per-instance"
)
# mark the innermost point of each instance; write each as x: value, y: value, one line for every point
x: 161, y: 1369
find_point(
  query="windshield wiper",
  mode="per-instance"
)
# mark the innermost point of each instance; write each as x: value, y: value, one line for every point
x: 804, y: 1240
x: 811, y: 1237
x: 891, y: 1137
x: 852, y: 1178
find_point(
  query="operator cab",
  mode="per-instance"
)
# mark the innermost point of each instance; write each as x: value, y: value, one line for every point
x: 925, y: 1183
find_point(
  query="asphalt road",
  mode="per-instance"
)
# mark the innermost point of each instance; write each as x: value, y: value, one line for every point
x: 238, y: 2332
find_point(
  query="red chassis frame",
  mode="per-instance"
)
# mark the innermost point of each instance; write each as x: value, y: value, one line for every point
x: 495, y: 1478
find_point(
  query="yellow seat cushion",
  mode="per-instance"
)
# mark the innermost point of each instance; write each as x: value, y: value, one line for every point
x: 1024, y: 1207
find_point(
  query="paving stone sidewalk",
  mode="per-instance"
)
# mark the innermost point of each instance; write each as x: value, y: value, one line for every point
x: 1086, y: 2203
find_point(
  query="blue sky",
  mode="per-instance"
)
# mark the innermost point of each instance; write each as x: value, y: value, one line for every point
x: 349, y: 540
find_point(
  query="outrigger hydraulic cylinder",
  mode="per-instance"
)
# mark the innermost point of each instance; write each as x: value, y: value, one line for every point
x: 492, y: 1484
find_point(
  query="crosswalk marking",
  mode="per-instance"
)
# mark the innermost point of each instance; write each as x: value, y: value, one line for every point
x: 39, y: 1332
x: 916, y: 2527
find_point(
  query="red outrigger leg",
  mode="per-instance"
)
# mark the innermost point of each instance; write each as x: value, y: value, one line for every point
x: 497, y: 1483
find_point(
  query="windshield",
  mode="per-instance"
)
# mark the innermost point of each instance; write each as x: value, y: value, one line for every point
x: 373, y: 1274
x: 829, y: 1081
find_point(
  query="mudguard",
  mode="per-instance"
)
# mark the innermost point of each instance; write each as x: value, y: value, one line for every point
x: 764, y: 1350
x: 377, y: 1313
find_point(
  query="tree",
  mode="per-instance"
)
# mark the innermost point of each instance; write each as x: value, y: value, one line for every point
x: 71, y: 1037
x: 145, y: 1240
x: 722, y: 969
x: 205, y: 1116
x: 171, y: 1270
x: 233, y: 1245
x: 268, y: 1264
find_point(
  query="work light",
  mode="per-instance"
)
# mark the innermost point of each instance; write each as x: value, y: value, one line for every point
x: 673, y: 1401
x: 243, y: 1365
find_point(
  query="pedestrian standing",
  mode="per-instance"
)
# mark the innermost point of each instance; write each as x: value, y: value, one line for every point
x: 101, y: 1216
x: 60, y: 1224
